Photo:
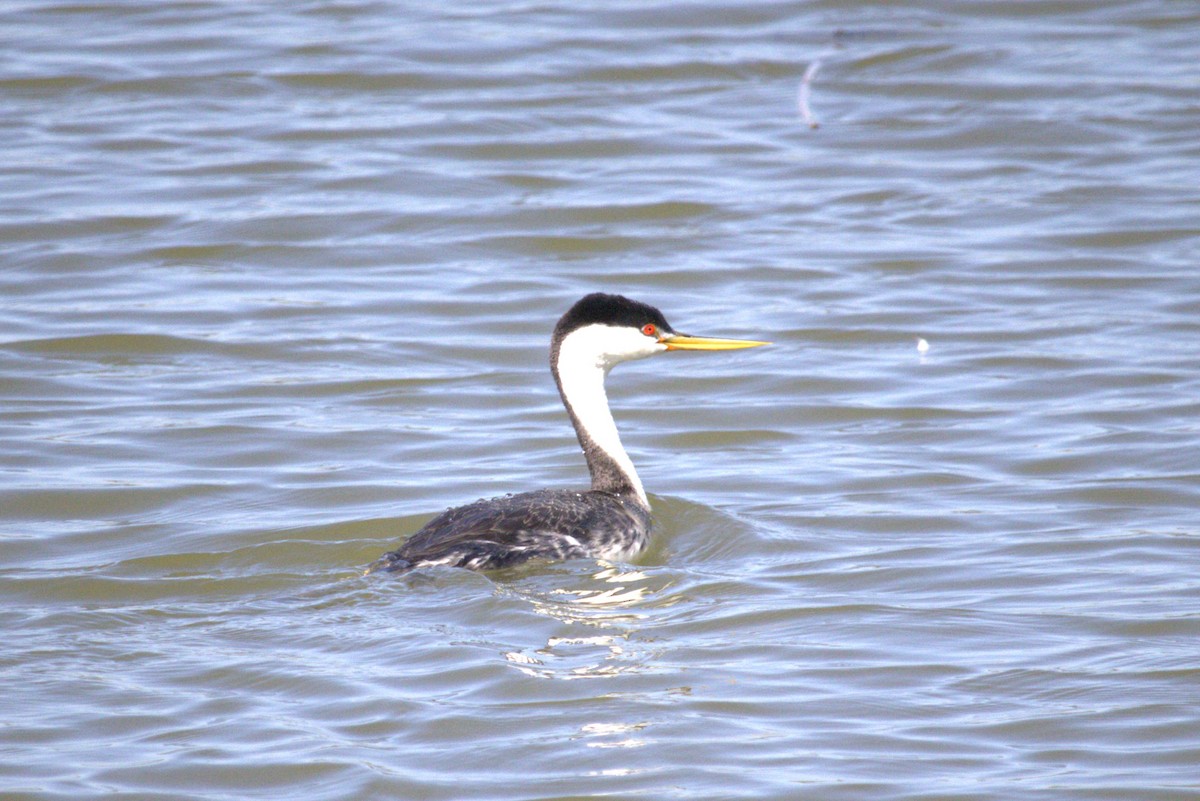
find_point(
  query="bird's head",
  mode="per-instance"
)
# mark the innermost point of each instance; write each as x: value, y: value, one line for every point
x: 609, y: 329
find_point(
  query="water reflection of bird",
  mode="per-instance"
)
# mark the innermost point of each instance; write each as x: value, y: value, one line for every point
x: 612, y: 519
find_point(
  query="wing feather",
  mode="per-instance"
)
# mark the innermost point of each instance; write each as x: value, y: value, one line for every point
x: 498, y: 532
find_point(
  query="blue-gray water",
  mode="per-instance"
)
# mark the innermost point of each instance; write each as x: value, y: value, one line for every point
x: 277, y: 285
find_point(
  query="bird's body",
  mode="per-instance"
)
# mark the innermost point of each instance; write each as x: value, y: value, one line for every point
x: 546, y: 524
x: 612, y: 519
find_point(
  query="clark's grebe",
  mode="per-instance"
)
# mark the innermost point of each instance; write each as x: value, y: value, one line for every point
x: 612, y: 519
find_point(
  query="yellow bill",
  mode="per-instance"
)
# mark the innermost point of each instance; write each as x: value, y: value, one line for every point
x: 684, y: 342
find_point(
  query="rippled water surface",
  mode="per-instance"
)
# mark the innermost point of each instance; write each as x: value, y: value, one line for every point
x: 277, y: 286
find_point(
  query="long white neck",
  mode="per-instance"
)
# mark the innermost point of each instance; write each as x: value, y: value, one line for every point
x: 580, y: 368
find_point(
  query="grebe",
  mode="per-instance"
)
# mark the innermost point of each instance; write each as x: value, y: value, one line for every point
x: 609, y: 521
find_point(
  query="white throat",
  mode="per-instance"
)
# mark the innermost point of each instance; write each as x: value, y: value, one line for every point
x: 584, y: 358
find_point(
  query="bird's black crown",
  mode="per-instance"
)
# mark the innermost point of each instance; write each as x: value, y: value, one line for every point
x: 617, y: 310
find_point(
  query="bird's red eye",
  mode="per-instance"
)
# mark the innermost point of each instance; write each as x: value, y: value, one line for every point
x: 650, y: 329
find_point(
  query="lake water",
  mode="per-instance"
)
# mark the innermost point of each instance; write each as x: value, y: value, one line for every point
x: 277, y: 286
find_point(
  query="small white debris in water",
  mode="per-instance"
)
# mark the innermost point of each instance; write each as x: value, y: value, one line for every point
x: 802, y: 94
x: 922, y: 345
